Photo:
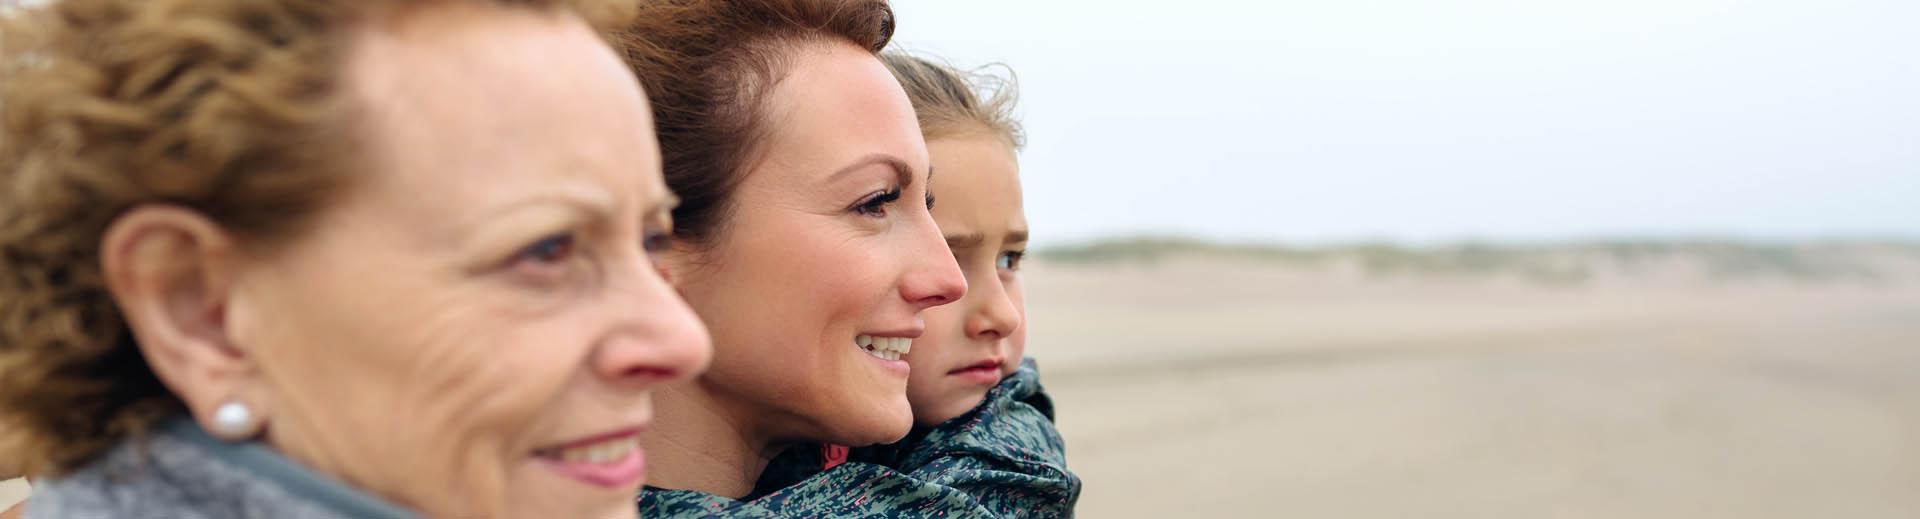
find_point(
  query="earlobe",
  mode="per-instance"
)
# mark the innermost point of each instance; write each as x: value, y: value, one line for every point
x: 170, y: 271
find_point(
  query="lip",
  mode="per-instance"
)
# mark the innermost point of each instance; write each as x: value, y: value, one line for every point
x: 898, y: 368
x: 910, y: 333
x: 895, y: 367
x: 624, y: 473
x: 986, y: 372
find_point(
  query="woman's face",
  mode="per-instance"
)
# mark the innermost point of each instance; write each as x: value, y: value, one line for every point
x: 474, y: 327
x: 828, y: 249
x: 971, y: 344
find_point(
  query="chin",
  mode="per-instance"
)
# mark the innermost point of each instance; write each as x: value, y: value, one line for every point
x: 617, y: 509
x: 888, y: 425
x: 952, y: 409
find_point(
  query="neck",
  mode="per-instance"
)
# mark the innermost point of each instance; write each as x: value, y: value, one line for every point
x: 698, y: 443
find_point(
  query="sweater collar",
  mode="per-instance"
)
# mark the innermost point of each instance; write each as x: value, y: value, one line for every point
x: 272, y: 467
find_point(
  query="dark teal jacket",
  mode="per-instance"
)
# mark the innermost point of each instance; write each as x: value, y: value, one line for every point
x: 1005, y: 458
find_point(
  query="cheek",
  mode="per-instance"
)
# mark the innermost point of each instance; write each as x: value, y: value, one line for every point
x: 932, y: 353
x: 1017, y: 342
x: 420, y: 366
x: 775, y: 306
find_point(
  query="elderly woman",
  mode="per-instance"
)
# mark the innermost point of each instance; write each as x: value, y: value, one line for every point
x: 323, y: 259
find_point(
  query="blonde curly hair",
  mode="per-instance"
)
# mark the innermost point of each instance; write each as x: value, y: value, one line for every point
x: 228, y: 107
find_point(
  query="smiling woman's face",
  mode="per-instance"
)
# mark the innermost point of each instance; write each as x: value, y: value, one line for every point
x: 828, y: 249
x: 474, y: 326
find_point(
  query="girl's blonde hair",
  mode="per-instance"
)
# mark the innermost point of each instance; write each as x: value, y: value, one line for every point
x: 951, y: 102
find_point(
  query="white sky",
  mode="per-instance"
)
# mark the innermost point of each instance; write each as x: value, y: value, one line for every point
x: 1336, y: 120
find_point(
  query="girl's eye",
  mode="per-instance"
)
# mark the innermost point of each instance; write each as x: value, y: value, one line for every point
x: 548, y: 251
x: 1010, y: 260
x: 929, y: 200
x: 876, y: 204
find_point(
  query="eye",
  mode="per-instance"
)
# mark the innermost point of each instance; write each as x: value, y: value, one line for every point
x: 876, y: 204
x: 544, y: 260
x: 929, y: 200
x: 549, y: 250
x: 656, y: 242
x: 1010, y: 260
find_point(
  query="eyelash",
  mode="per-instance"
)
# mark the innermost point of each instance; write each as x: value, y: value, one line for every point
x: 1012, y: 259
x: 550, y: 252
x: 656, y: 242
x: 876, y: 205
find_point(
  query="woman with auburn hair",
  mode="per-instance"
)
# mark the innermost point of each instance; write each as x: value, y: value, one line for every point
x: 317, y: 259
x: 983, y: 424
x: 806, y: 244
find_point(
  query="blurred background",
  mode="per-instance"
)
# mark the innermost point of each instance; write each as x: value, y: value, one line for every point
x: 1470, y: 258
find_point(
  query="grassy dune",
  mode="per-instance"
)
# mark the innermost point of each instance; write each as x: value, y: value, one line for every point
x: 1569, y: 263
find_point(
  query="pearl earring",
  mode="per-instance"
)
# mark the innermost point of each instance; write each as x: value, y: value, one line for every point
x: 234, y: 420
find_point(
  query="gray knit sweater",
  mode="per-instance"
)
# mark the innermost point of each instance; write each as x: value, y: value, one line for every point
x: 180, y: 472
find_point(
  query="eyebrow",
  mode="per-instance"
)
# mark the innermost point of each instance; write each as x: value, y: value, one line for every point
x: 974, y: 239
x: 664, y: 202
x: 584, y: 201
x: 963, y: 241
x: 660, y: 208
x: 900, y: 167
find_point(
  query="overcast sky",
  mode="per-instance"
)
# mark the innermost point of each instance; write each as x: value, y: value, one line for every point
x: 1430, y: 120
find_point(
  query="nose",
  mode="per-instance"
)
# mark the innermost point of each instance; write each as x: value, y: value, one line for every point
x: 657, y: 339
x: 995, y: 316
x: 933, y: 277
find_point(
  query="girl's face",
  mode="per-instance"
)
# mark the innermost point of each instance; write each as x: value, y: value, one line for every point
x: 822, y: 268
x: 971, y: 344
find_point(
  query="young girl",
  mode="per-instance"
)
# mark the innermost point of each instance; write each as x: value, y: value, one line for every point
x: 970, y: 345
x: 982, y: 424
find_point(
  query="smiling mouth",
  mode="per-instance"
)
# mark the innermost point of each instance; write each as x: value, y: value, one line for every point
x: 613, y: 460
x: 600, y: 451
x: 884, y: 348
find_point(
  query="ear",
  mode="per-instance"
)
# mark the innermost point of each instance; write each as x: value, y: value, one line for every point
x: 171, y: 271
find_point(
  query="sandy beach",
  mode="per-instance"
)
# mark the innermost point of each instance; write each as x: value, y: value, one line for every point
x: 1225, y: 388
x: 1219, y: 387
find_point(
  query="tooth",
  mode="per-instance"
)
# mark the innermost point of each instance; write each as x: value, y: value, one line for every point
x: 863, y: 340
x: 906, y: 345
